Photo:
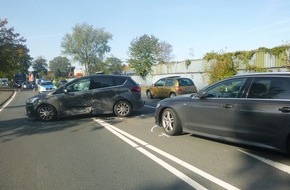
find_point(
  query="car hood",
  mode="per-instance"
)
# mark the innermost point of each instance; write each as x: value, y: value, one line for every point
x: 46, y: 86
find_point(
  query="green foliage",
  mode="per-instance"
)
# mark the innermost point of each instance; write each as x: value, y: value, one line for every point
x: 60, y: 66
x: 112, y: 65
x: 143, y: 52
x: 187, y: 63
x: 14, y: 55
x: 86, y: 45
x: 276, y: 51
x: 254, y: 68
x: 40, y: 66
x: 221, y: 66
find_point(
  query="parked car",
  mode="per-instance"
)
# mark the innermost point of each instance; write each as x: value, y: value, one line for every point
x: 4, y: 81
x: 252, y: 109
x: 45, y: 86
x: 28, y: 85
x: 97, y: 94
x: 170, y: 87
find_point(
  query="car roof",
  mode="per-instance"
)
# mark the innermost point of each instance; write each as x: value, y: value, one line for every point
x: 106, y: 75
x: 175, y: 77
x: 264, y: 74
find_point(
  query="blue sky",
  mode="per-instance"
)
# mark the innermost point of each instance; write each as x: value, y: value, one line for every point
x: 192, y: 27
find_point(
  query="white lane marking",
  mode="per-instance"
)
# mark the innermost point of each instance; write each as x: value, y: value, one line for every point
x: 149, y: 106
x: 173, y: 170
x: 193, y: 169
x: 163, y: 134
x: 153, y: 128
x: 6, y: 104
x: 277, y: 165
x: 165, y: 165
x: 173, y: 158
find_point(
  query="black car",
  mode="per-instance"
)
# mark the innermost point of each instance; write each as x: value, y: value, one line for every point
x: 252, y: 109
x: 98, y: 94
x: 28, y: 85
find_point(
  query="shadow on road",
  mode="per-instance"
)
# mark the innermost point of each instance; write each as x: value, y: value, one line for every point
x: 11, y: 129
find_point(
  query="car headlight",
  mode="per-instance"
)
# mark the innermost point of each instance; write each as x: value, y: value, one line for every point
x: 31, y: 100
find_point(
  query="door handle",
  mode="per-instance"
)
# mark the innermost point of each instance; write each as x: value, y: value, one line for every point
x: 227, y: 106
x: 284, y: 109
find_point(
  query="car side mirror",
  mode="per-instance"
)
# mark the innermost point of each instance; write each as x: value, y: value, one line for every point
x: 202, y: 94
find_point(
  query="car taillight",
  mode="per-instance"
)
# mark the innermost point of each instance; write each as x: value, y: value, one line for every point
x: 136, y: 89
x: 179, y: 89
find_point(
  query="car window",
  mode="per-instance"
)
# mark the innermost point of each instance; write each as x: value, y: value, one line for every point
x: 185, y: 82
x: 161, y: 82
x: 226, y: 89
x: 270, y: 88
x: 102, y: 82
x: 80, y: 85
x: 120, y: 80
x: 169, y: 82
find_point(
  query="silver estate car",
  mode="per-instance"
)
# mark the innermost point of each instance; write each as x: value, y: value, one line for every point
x: 251, y: 109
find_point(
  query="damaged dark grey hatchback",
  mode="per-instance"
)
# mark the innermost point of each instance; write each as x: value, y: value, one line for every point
x: 97, y: 94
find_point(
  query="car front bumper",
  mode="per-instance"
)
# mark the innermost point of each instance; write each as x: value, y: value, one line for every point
x: 30, y: 111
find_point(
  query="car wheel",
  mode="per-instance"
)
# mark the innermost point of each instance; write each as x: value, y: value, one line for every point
x: 172, y: 94
x: 46, y: 113
x: 122, y: 109
x: 171, y: 122
x: 149, y: 94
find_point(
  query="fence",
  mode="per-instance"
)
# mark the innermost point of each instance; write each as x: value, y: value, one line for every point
x: 195, y: 69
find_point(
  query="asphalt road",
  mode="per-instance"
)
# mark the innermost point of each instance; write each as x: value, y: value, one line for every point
x: 107, y: 152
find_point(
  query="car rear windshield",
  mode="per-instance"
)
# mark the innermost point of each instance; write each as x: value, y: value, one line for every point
x: 185, y: 82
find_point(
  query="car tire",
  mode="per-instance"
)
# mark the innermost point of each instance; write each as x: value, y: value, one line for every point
x: 149, y: 94
x: 170, y: 122
x: 46, y: 113
x: 172, y: 94
x: 122, y: 108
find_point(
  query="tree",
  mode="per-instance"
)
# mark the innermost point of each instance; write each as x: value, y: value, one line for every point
x: 14, y: 57
x: 60, y: 66
x: 114, y: 65
x: 221, y: 66
x: 39, y: 65
x: 86, y: 45
x: 143, y: 53
x: 164, y: 52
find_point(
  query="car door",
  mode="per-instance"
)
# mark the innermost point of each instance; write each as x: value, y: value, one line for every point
x: 104, y: 94
x: 168, y: 87
x: 76, y: 98
x: 264, y: 116
x: 213, y: 112
x: 158, y: 89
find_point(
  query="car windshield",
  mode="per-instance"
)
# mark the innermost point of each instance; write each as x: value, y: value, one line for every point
x: 46, y: 83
